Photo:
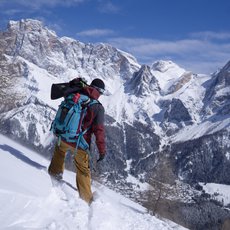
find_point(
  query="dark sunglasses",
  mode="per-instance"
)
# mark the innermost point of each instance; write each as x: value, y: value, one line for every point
x: 100, y: 90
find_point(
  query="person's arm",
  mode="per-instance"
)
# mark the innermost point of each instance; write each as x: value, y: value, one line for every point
x: 98, y: 130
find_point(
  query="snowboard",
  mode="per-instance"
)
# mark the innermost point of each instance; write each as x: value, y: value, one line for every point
x: 63, y: 89
x: 58, y: 90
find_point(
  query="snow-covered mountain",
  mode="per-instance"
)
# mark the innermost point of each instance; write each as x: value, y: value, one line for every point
x: 29, y: 200
x: 163, y: 123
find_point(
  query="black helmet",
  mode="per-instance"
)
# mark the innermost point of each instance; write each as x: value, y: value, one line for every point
x: 99, y: 85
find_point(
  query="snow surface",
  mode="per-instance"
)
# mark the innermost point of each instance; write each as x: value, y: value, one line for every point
x: 28, y: 200
x: 195, y: 131
x: 166, y: 73
x: 221, y: 192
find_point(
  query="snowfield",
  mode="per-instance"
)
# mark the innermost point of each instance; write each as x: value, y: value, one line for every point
x: 221, y: 192
x: 29, y: 200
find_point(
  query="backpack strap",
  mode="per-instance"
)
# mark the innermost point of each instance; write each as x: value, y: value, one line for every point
x: 80, y: 137
x: 92, y: 102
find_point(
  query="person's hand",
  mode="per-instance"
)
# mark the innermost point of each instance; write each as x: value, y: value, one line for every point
x: 101, y: 157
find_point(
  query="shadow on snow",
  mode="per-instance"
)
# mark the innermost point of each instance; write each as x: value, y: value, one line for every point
x: 21, y: 156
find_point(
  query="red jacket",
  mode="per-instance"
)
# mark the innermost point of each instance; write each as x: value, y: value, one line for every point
x: 95, y: 120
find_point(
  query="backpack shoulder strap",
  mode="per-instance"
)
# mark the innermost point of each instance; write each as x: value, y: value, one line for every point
x: 93, y: 101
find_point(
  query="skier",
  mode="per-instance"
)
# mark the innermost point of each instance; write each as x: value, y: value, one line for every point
x: 94, y: 122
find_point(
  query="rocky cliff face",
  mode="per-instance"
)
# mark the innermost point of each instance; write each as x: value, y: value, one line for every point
x: 143, y: 83
x: 162, y: 122
x: 218, y: 95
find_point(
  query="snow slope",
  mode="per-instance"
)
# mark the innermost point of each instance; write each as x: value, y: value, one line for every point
x: 221, y: 192
x: 28, y: 200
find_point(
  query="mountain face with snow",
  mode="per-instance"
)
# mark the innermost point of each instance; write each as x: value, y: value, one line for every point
x: 162, y: 122
x: 218, y: 96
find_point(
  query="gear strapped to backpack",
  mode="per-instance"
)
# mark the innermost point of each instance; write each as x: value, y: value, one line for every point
x: 68, y: 121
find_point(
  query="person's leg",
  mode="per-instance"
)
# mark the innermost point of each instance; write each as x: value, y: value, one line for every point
x: 57, y: 163
x: 83, y: 177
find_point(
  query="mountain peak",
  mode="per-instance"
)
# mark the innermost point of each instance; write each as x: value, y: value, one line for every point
x: 143, y: 82
x: 227, y: 67
x: 163, y: 66
x: 27, y: 25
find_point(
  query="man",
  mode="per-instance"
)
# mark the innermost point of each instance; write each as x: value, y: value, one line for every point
x: 94, y: 122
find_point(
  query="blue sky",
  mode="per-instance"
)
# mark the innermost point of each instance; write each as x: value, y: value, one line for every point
x: 195, y: 34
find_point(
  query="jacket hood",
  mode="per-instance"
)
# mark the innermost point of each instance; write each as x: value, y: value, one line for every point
x: 91, y: 92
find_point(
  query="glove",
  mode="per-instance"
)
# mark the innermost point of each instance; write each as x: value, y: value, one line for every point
x: 101, y: 157
x: 74, y: 82
x: 77, y: 82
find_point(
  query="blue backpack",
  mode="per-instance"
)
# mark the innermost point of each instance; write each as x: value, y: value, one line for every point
x: 68, y: 121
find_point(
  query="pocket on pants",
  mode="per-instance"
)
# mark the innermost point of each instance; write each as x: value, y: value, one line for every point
x: 82, y: 161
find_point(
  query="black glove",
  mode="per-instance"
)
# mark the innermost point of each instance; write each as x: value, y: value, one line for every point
x: 80, y: 81
x: 101, y: 157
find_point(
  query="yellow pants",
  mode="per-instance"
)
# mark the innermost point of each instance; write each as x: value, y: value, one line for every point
x: 81, y: 160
